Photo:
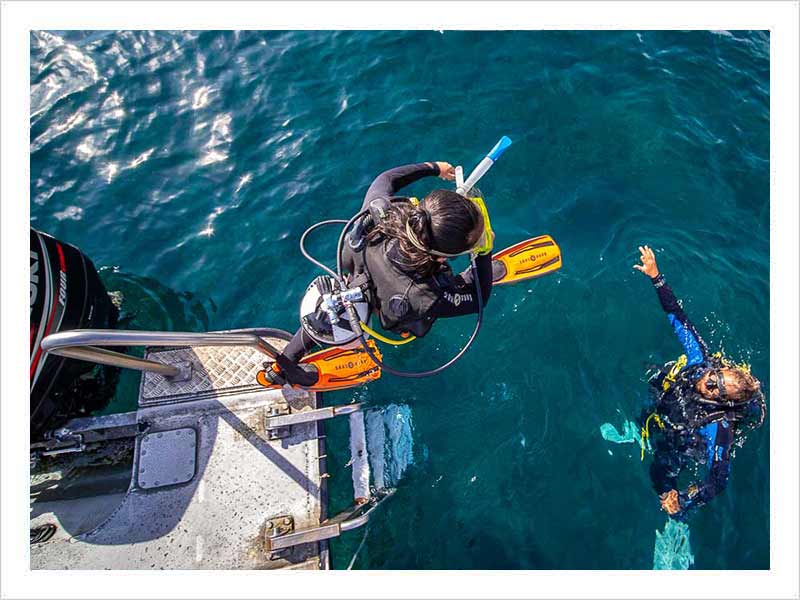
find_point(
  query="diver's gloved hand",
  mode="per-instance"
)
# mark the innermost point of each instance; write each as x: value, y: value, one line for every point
x: 320, y: 322
x: 670, y: 502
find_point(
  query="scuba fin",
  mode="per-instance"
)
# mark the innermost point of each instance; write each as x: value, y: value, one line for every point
x: 338, y: 368
x: 525, y: 260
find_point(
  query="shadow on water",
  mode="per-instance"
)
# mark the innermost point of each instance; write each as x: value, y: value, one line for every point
x: 148, y: 304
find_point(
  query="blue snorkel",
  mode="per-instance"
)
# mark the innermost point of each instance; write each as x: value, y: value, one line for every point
x: 466, y: 188
x: 463, y: 187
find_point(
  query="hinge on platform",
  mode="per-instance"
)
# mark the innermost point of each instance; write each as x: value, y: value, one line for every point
x: 73, y: 441
x: 185, y: 371
x: 276, y: 527
x: 281, y: 431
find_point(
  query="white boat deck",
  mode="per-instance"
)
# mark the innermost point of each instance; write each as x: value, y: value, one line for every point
x: 208, y: 485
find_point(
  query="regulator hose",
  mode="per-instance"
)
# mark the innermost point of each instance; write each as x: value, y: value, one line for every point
x: 314, y: 260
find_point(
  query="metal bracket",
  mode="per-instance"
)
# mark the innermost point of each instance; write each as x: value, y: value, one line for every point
x: 276, y: 527
x: 352, y: 518
x: 76, y: 434
x: 275, y: 431
x: 185, y: 371
x: 74, y: 443
x: 279, y: 419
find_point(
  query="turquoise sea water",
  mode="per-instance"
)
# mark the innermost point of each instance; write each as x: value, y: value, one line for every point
x: 187, y: 164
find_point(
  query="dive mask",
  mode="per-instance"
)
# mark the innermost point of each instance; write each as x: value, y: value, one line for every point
x: 716, y: 381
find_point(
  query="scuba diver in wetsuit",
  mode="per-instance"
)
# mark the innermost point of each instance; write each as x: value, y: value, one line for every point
x: 704, y: 403
x: 400, y: 263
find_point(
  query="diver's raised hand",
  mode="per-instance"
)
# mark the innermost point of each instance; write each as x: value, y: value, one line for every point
x: 648, y: 266
x: 446, y: 170
x: 670, y: 502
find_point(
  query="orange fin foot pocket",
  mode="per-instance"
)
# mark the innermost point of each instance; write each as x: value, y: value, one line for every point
x: 526, y: 260
x: 339, y: 368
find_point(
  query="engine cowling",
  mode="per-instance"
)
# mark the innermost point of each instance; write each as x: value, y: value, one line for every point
x: 65, y: 293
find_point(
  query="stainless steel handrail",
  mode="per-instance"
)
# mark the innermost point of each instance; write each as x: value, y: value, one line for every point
x: 82, y: 345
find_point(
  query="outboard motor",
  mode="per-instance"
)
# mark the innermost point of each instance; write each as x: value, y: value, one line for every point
x: 66, y: 293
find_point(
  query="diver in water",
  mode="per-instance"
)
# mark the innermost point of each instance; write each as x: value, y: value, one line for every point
x: 703, y: 405
x: 401, y: 263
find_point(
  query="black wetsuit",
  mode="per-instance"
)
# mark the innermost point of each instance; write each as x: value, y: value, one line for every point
x: 457, y: 291
x: 690, y: 437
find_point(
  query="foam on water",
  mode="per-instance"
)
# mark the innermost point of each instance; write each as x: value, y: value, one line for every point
x: 672, y: 550
x: 390, y: 443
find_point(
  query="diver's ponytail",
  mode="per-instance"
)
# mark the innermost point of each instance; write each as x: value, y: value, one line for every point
x: 444, y: 224
x: 418, y: 229
x: 406, y: 222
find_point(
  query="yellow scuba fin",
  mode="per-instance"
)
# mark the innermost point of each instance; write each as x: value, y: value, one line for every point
x: 525, y: 260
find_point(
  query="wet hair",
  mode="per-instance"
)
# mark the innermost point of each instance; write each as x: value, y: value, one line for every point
x: 443, y: 221
x: 748, y: 406
x: 740, y: 385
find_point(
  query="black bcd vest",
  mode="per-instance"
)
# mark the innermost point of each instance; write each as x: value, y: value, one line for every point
x: 402, y: 300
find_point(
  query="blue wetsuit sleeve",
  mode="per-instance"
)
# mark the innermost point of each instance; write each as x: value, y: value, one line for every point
x: 719, y: 441
x: 389, y: 182
x: 664, y: 469
x: 694, y: 346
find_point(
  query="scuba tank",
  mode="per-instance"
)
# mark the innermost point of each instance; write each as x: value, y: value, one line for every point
x: 65, y: 293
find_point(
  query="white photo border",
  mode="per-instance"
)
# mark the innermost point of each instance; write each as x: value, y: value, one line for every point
x: 780, y: 18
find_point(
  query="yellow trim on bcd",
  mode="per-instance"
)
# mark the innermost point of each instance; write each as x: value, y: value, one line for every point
x: 646, y: 430
x: 673, y: 372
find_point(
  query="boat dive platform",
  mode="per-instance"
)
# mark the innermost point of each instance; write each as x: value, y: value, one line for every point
x: 211, y: 471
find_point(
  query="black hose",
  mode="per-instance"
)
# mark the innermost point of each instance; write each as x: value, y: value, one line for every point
x: 354, y: 322
x: 314, y: 260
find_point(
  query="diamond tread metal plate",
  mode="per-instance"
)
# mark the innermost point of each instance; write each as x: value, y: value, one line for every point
x: 216, y: 370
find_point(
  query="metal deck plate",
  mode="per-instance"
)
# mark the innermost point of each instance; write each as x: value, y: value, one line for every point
x: 167, y: 458
x: 215, y: 371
